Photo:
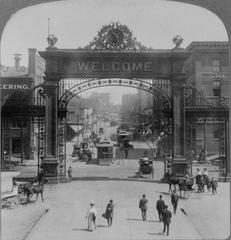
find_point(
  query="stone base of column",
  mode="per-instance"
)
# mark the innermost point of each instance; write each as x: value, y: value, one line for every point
x: 49, y: 165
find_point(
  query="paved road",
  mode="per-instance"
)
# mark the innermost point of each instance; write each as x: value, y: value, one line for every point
x: 208, y: 215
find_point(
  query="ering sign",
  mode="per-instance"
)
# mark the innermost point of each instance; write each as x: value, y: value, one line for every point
x: 14, y: 86
x: 96, y: 66
x: 8, y: 84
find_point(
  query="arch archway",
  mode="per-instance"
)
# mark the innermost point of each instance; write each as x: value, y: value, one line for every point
x: 152, y: 86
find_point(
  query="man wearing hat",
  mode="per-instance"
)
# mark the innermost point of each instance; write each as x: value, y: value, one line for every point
x: 166, y: 219
x: 160, y: 207
x: 91, y: 216
x: 143, y: 207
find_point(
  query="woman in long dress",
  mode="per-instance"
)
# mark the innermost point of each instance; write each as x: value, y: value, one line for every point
x: 91, y: 217
x: 109, y: 212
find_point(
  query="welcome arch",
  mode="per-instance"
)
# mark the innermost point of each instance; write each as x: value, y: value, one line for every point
x: 221, y: 8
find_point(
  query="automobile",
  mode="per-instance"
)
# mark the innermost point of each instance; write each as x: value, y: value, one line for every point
x: 146, y: 166
x: 76, y: 150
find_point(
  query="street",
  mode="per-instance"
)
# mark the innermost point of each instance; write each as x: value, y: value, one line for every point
x: 207, y: 214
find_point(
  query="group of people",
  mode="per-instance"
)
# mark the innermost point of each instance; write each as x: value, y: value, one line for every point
x: 92, y: 215
x: 162, y: 209
x: 203, y: 179
x: 164, y: 214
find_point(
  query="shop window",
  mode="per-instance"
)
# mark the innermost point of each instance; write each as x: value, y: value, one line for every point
x: 217, y: 88
x: 216, y: 66
x: 16, y: 145
x: 18, y: 123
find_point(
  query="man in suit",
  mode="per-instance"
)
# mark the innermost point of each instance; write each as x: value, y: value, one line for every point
x: 143, y: 207
x: 174, y: 200
x: 160, y: 207
x: 166, y: 219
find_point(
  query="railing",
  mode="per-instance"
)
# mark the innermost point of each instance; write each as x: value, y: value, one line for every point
x: 196, y: 99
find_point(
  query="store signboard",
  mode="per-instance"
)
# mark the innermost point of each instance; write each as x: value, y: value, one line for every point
x: 13, y: 71
x: 9, y: 84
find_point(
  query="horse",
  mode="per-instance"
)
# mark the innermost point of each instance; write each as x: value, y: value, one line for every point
x: 200, y: 183
x: 207, y: 182
x: 172, y: 180
x: 29, y: 190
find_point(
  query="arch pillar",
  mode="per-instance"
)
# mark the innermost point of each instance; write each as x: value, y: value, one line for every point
x: 179, y: 162
x: 50, y: 161
x: 178, y: 81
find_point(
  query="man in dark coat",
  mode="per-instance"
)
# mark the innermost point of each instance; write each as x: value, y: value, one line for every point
x: 109, y: 212
x: 160, y: 207
x: 41, y: 177
x: 143, y: 207
x: 166, y: 216
x: 174, y: 200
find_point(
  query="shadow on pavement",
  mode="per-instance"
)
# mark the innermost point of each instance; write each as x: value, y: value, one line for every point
x: 159, y: 233
x: 137, y: 219
x: 100, y: 178
x: 152, y: 221
x: 134, y: 219
x: 102, y: 226
x: 80, y: 229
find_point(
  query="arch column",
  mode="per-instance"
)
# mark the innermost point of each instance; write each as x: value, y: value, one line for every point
x: 179, y: 162
x: 50, y: 161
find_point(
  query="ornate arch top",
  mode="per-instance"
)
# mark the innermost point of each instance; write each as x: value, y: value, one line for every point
x: 115, y: 36
x: 159, y: 87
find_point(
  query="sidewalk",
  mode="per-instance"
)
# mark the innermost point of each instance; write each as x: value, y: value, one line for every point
x: 16, y: 223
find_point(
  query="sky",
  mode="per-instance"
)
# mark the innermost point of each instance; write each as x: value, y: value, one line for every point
x: 75, y: 22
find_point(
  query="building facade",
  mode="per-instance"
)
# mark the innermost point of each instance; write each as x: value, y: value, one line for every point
x: 19, y: 133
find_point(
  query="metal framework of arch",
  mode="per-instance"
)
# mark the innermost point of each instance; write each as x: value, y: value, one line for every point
x: 162, y: 87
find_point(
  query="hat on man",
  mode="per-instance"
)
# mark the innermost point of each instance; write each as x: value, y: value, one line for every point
x: 92, y: 203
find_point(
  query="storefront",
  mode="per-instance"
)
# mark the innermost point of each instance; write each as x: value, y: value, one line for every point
x: 16, y: 131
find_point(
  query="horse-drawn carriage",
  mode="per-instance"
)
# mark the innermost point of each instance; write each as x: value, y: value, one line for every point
x: 187, y: 185
x: 146, y: 167
x: 81, y: 151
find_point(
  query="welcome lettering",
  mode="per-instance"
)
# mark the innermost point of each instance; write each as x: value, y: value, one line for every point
x: 114, y: 66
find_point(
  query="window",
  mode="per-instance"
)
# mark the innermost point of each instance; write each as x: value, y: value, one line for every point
x: 216, y: 66
x: 217, y: 88
x: 18, y: 123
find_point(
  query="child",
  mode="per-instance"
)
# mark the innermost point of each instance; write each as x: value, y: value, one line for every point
x: 69, y: 173
x: 214, y: 185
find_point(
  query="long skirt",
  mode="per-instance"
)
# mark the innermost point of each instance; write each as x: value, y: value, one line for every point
x: 91, y: 222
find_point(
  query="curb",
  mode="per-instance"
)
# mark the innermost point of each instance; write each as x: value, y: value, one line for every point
x: 35, y: 222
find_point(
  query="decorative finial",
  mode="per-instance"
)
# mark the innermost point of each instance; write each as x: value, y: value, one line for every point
x: 177, y: 40
x: 51, y: 38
